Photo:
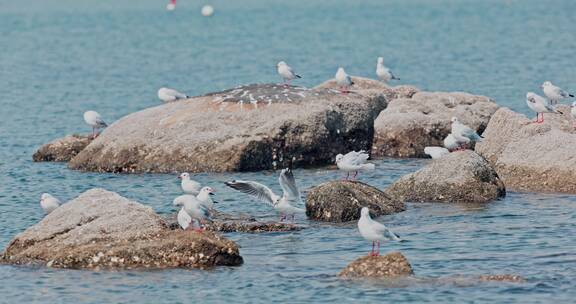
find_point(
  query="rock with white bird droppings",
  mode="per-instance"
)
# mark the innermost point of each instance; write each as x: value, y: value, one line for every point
x: 391, y: 265
x: 459, y: 177
x: 408, y: 125
x: 62, y: 149
x: 101, y: 229
x: 528, y: 156
x: 341, y: 201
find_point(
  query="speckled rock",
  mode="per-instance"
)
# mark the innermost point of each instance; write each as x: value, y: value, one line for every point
x: 462, y: 176
x: 532, y: 157
x: 62, y: 149
x: 341, y: 201
x: 408, y: 125
x: 387, y: 266
x: 101, y: 229
x: 363, y: 85
x: 212, y: 134
x: 502, y: 278
x: 227, y: 223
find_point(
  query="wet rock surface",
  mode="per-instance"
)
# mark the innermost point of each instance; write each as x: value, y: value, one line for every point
x: 217, y: 133
x: 62, y: 149
x: 341, y: 201
x: 228, y: 223
x: 529, y: 156
x: 408, y: 125
x: 390, y: 265
x: 463, y: 177
x: 101, y: 229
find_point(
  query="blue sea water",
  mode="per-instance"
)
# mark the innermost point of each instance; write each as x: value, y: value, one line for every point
x: 59, y: 58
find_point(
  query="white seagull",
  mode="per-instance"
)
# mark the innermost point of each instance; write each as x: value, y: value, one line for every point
x: 539, y: 105
x: 384, y: 73
x: 193, y: 207
x: 452, y: 144
x: 373, y: 231
x: 93, y: 119
x: 286, y: 72
x: 204, y: 196
x: 463, y: 133
x: 168, y: 95
x: 188, y: 185
x: 354, y: 162
x: 49, y: 203
x: 343, y: 80
x: 436, y: 152
x: 284, y: 204
x: 184, y: 219
x: 554, y: 93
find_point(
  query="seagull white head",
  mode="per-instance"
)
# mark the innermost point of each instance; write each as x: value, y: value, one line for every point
x: 364, y: 212
x: 546, y: 84
x: 339, y: 157
x: 530, y: 96
x: 207, y: 190
x: 184, y: 176
x: 381, y: 60
x: 281, y: 63
x: 45, y: 196
x: 454, y: 119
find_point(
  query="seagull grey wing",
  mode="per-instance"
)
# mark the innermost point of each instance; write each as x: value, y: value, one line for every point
x: 254, y: 189
x: 288, y: 184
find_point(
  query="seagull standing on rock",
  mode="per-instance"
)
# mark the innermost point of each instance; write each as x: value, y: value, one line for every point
x: 286, y: 72
x: 353, y: 162
x: 184, y: 219
x: 204, y: 196
x: 343, y: 80
x: 284, y: 204
x: 93, y: 119
x: 373, y: 231
x: 554, y: 93
x: 452, y: 144
x: 49, y: 203
x: 169, y: 95
x: 463, y: 133
x: 188, y: 185
x: 193, y: 207
x: 384, y: 73
x: 539, y: 105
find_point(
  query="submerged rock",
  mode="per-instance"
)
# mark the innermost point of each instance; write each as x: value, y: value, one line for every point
x: 101, y: 229
x: 62, y: 149
x: 390, y: 265
x: 226, y: 223
x: 408, y: 125
x: 529, y: 156
x: 502, y: 278
x: 217, y: 133
x: 462, y: 176
x: 341, y: 201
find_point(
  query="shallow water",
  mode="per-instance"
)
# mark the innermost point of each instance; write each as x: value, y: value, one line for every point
x: 60, y: 58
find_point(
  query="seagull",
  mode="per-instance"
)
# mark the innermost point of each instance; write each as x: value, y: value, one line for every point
x: 285, y: 71
x: 353, y: 162
x: 204, y: 197
x: 573, y: 112
x: 184, y: 219
x: 384, y: 73
x: 93, y: 119
x: 284, y: 204
x: 188, y: 185
x: 49, y: 203
x: 554, y: 93
x: 193, y: 207
x: 373, y: 231
x: 539, y: 105
x: 168, y: 95
x: 171, y: 6
x: 436, y: 152
x: 452, y: 144
x: 343, y: 80
x: 463, y: 133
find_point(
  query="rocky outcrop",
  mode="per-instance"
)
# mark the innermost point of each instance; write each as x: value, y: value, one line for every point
x: 502, y: 278
x: 248, y: 128
x: 408, y: 125
x: 341, y: 201
x: 227, y: 223
x: 364, y: 85
x: 529, y: 156
x: 374, y: 267
x: 462, y: 176
x: 62, y: 149
x: 101, y: 229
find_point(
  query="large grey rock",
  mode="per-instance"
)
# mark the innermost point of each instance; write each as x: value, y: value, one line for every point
x: 62, y: 149
x: 101, y: 229
x: 390, y: 265
x: 462, y: 176
x: 341, y: 201
x: 408, y: 125
x: 529, y: 156
x: 211, y: 133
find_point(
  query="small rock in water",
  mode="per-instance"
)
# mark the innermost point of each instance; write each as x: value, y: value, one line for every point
x: 207, y: 10
x: 390, y: 265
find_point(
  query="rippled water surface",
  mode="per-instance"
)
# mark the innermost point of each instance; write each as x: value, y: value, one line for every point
x: 59, y: 58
